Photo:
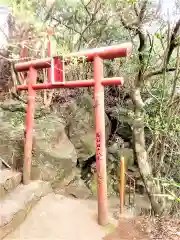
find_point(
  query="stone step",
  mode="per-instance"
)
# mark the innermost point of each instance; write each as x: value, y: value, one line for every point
x: 17, y: 204
x: 9, y: 180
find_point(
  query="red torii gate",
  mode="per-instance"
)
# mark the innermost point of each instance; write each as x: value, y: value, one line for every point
x: 56, y: 79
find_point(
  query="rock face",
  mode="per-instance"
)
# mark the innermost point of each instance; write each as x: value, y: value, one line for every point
x: 114, y: 153
x: 54, y: 156
x: 60, y: 137
x: 116, y: 150
x: 81, y: 126
x: 53, y: 149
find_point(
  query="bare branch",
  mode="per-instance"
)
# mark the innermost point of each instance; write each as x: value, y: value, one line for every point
x: 142, y: 46
x: 131, y: 26
x: 96, y: 10
x: 138, y: 28
x: 173, y: 44
x: 143, y: 10
x: 136, y: 9
x: 176, y: 77
x: 142, y: 39
x: 86, y: 6
x: 158, y: 72
x: 50, y: 5
x: 151, y: 42
x: 142, y: 42
x: 70, y: 28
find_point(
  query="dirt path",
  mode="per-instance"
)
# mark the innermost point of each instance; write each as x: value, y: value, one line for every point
x: 128, y: 229
x: 146, y: 228
x: 59, y: 218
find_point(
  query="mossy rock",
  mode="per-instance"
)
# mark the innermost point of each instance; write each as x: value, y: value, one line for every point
x: 110, y: 182
x: 54, y: 156
x: 81, y: 126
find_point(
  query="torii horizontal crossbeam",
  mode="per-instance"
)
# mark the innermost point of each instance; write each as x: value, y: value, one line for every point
x: 74, y: 84
x: 121, y: 50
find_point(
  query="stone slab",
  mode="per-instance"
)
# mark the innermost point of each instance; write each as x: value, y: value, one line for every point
x: 15, y: 207
x: 57, y: 217
x: 9, y: 180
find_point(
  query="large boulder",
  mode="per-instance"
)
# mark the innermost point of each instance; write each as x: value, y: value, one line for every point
x: 116, y: 150
x: 54, y: 152
x: 54, y: 156
x: 80, y: 128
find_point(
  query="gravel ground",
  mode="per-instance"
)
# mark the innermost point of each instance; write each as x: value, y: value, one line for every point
x: 146, y: 228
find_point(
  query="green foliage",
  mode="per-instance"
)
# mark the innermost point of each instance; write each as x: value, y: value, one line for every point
x: 17, y: 119
x: 170, y: 185
x: 158, y: 35
x: 131, y: 1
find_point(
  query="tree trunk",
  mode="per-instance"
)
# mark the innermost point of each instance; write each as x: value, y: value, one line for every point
x: 141, y: 155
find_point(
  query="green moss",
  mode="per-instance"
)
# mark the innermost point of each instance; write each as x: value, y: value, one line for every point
x: 17, y: 119
x: 87, y: 144
x: 93, y: 185
x: 111, y: 189
x: 109, y: 228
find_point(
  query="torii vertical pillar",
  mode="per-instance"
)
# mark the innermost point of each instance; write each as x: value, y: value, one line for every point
x: 32, y: 76
x: 100, y: 142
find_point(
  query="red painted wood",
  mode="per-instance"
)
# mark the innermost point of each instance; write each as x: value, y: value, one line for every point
x: 74, y: 84
x: 100, y: 142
